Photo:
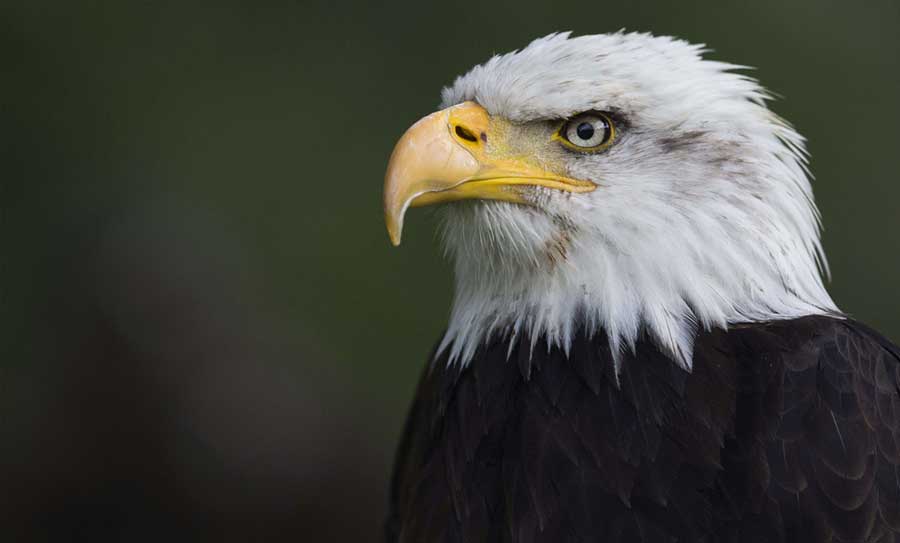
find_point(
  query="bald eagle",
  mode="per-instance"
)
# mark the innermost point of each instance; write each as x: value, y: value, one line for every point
x: 640, y: 346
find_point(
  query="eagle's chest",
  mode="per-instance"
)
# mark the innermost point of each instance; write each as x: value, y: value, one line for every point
x: 551, y: 443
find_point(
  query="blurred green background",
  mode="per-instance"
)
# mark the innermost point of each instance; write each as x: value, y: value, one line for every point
x: 205, y: 330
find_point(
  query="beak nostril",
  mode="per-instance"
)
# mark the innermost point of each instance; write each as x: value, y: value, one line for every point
x: 465, y: 133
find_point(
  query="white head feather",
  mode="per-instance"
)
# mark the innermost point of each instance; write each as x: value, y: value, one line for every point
x: 704, y: 215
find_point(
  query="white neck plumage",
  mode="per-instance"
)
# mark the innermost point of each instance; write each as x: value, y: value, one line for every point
x: 519, y: 273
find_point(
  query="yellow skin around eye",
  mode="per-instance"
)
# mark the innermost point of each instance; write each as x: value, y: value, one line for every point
x: 527, y: 142
x: 560, y: 136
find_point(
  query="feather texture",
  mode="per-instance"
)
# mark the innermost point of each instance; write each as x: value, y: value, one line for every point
x: 783, y: 432
x: 703, y: 215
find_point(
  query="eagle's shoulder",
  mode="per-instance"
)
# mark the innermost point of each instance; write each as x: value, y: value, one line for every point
x: 817, y: 432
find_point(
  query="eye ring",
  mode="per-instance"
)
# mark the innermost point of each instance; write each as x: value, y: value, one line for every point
x: 588, y: 132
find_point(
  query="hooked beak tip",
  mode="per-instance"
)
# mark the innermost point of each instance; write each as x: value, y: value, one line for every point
x: 394, y: 227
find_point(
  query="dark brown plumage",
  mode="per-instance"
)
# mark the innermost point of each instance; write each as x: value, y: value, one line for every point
x: 784, y: 432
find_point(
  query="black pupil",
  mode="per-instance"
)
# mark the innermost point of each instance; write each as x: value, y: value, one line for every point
x: 585, y: 131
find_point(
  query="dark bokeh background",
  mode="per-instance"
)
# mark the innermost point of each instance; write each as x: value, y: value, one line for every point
x: 205, y: 332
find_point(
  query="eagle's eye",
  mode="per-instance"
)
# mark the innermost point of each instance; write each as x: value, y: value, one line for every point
x: 589, y: 132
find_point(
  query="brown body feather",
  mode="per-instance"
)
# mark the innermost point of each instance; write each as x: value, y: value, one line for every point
x: 783, y: 432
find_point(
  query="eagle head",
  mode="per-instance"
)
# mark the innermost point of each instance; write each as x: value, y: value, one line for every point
x: 618, y: 184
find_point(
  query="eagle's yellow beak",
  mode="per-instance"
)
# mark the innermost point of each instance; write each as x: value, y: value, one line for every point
x: 446, y: 156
